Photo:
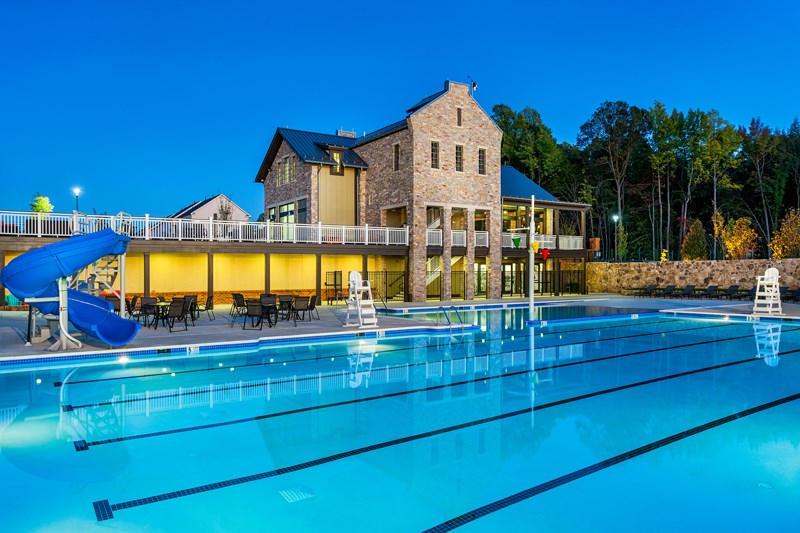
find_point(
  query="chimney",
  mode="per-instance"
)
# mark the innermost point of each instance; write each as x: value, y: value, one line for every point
x: 348, y: 134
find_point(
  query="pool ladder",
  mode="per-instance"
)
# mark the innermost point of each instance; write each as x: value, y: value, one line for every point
x: 441, y: 311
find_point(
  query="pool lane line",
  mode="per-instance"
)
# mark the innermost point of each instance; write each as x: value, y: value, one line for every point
x: 104, y: 510
x: 427, y: 346
x: 69, y: 407
x: 531, y: 492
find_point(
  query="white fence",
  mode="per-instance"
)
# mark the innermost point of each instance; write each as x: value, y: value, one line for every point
x: 21, y: 223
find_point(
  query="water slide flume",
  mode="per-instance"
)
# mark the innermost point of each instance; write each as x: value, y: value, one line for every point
x: 36, y: 274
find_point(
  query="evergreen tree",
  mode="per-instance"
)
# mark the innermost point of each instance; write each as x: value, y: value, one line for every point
x: 694, y: 247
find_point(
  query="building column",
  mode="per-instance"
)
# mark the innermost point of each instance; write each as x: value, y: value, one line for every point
x: 266, y: 274
x: 447, y: 254
x: 417, y: 254
x: 2, y: 288
x: 318, y: 288
x: 365, y: 267
x: 210, y: 274
x: 147, y: 274
x: 494, y: 261
x: 469, y: 259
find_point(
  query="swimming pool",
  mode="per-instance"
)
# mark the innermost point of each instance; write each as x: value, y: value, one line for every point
x: 654, y: 423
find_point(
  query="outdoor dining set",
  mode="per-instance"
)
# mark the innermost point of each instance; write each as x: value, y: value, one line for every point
x: 272, y: 308
x: 154, y: 311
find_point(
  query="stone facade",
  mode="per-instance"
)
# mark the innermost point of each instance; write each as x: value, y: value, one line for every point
x: 302, y: 186
x: 418, y: 186
x: 616, y: 277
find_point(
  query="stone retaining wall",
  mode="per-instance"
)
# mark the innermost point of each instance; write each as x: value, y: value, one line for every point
x: 615, y: 277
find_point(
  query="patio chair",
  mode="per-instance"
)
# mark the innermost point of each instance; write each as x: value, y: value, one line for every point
x: 646, y: 291
x: 709, y: 292
x: 746, y: 294
x: 133, y: 313
x: 312, y: 307
x: 208, y: 308
x: 686, y: 292
x: 301, y: 306
x: 666, y: 292
x: 729, y: 293
x: 286, y: 306
x: 194, y: 312
x: 253, y: 312
x: 792, y: 295
x: 177, y: 313
x: 188, y: 307
x: 239, y: 306
x: 148, y: 310
x: 269, y: 309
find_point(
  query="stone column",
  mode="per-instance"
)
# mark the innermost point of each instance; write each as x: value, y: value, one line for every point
x: 495, y: 259
x: 447, y: 253
x: 469, y: 259
x: 417, y: 254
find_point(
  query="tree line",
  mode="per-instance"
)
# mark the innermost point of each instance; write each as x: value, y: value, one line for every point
x: 683, y: 185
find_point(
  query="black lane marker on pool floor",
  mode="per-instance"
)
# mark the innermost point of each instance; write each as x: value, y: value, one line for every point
x: 394, y: 442
x: 411, y: 365
x: 427, y: 346
x: 86, y: 446
x: 526, y: 494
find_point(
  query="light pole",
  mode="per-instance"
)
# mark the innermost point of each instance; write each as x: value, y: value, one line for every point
x: 77, y: 191
x: 615, y: 218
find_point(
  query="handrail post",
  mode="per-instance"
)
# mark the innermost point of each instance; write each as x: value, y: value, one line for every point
x: 146, y: 227
x: 386, y: 236
x: 180, y: 230
x: 319, y: 232
x: 366, y: 234
x: 38, y: 225
x: 241, y: 225
x: 268, y: 231
x: 210, y: 228
x: 344, y: 234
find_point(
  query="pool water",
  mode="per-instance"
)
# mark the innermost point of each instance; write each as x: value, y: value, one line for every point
x: 656, y: 423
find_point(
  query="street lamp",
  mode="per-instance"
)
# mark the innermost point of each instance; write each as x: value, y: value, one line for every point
x: 615, y: 218
x: 77, y: 191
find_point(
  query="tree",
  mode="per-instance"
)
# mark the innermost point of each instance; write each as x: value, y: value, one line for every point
x: 694, y: 247
x: 786, y: 241
x: 41, y: 204
x: 665, y: 145
x: 789, y: 153
x: 612, y: 135
x: 695, y: 139
x: 741, y: 240
x: 758, y: 150
x: 720, y: 157
x: 261, y: 218
x: 225, y: 209
x: 528, y: 144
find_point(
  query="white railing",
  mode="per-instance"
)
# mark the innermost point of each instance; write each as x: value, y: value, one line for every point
x: 515, y: 240
x: 19, y: 223
x: 482, y: 239
x: 569, y: 242
x: 434, y: 237
x: 459, y: 237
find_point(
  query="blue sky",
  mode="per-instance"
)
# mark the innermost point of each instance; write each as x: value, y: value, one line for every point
x: 148, y: 106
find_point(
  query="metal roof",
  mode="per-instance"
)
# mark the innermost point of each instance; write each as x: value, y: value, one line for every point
x: 383, y: 132
x: 313, y: 147
x: 515, y: 184
x: 428, y: 99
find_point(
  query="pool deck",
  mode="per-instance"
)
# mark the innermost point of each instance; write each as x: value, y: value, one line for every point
x: 13, y: 324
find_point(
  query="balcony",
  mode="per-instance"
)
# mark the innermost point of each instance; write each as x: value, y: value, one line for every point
x: 28, y: 224
x: 510, y: 240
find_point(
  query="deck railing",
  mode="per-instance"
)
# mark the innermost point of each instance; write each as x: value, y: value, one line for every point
x: 20, y: 223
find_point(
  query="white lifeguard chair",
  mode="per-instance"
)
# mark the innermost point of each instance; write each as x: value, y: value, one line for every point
x: 768, y: 294
x: 768, y: 342
x: 360, y: 305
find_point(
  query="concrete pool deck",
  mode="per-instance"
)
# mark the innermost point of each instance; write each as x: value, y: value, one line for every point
x: 13, y: 324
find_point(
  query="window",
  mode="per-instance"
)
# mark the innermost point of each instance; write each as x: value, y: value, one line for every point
x: 395, y: 157
x: 286, y: 168
x: 271, y: 212
x: 292, y: 167
x: 459, y: 158
x: 286, y: 212
x: 482, y: 161
x: 458, y: 117
x: 338, y: 168
x: 279, y: 174
x: 301, y: 211
x: 434, y: 154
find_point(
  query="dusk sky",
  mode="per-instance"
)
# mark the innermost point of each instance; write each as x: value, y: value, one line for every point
x: 148, y: 106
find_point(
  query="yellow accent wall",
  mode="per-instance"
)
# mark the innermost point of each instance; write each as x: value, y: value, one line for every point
x: 292, y: 272
x: 337, y: 197
x: 134, y: 273
x: 238, y: 272
x: 345, y: 263
x: 178, y: 272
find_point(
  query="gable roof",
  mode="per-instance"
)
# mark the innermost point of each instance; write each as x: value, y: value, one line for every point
x: 383, y: 132
x: 311, y: 147
x: 428, y: 99
x: 515, y: 184
x: 187, y: 211
x: 191, y: 208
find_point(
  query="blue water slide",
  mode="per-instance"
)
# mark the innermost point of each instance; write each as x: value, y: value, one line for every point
x: 34, y: 274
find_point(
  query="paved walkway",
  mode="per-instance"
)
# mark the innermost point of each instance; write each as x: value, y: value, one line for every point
x: 13, y: 324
